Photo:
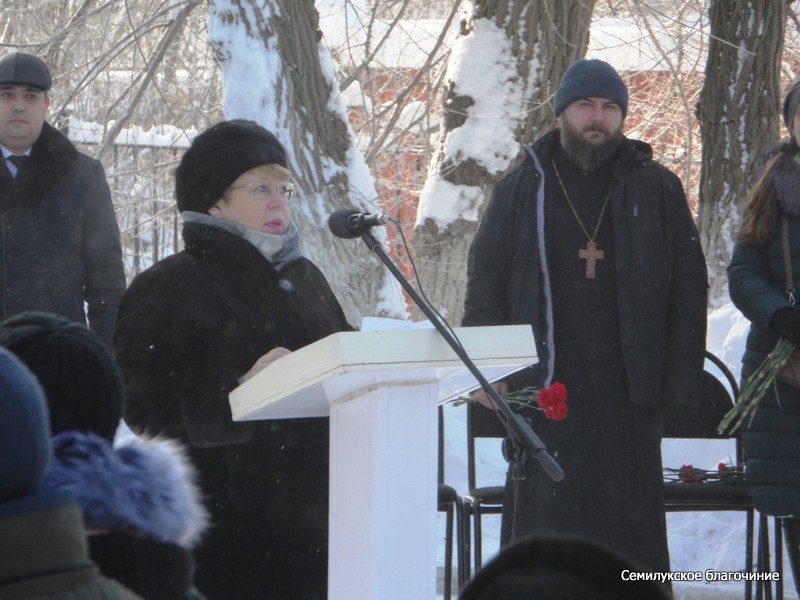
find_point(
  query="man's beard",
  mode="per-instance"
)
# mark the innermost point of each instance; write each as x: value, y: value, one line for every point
x: 586, y: 155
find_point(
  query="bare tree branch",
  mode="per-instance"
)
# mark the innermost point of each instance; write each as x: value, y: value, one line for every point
x: 401, y: 97
x: 152, y: 68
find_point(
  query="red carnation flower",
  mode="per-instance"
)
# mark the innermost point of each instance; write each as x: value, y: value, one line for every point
x: 687, y: 474
x: 553, y: 401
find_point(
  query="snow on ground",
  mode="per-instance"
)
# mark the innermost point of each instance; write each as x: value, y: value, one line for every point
x: 697, y: 541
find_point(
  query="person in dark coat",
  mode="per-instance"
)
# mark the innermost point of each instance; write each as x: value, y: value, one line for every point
x: 141, y: 505
x: 141, y: 509
x: 561, y: 568
x: 196, y: 325
x: 758, y: 287
x: 43, y: 550
x: 60, y: 237
x: 591, y: 242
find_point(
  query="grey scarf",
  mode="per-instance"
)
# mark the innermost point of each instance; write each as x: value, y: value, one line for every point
x: 279, y: 249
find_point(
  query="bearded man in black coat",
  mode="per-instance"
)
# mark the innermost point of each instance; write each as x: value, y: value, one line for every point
x: 60, y: 245
x: 592, y: 243
x: 196, y: 325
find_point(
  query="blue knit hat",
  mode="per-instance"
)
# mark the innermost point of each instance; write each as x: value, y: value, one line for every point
x: 591, y: 79
x: 24, y: 430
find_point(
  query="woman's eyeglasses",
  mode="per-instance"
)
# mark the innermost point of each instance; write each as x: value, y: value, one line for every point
x: 258, y: 188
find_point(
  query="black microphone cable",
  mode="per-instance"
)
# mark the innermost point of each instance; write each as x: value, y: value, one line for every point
x: 419, y: 283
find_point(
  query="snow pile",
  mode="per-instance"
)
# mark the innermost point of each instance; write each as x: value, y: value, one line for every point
x: 158, y: 136
x: 499, y: 96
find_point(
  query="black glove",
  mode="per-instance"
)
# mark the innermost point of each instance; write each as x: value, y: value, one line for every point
x: 786, y: 323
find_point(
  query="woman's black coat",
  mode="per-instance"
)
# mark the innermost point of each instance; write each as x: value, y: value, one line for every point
x: 772, y: 443
x: 189, y: 327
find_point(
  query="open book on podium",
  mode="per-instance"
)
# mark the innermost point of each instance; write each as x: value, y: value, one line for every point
x: 381, y: 390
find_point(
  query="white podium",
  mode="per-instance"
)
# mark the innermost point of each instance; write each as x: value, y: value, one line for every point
x: 381, y: 390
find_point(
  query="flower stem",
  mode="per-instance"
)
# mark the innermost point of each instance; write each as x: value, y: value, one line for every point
x: 756, y: 387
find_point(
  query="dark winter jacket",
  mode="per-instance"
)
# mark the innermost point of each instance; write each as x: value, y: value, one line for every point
x: 141, y: 508
x: 43, y: 554
x: 59, y: 241
x: 189, y: 327
x: 661, y: 274
x: 757, y: 285
x: 758, y: 288
x: 42, y: 540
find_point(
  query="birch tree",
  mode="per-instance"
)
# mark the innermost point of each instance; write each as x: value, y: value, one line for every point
x: 740, y: 113
x: 276, y: 71
x: 503, y: 70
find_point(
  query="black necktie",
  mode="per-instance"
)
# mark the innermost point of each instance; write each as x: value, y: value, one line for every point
x: 20, y: 161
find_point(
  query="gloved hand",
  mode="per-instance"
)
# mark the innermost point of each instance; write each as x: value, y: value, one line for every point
x: 786, y: 323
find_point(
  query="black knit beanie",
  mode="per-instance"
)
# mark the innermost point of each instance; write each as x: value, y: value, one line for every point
x: 591, y: 79
x: 218, y: 156
x: 80, y: 379
x: 560, y: 568
x: 790, y: 106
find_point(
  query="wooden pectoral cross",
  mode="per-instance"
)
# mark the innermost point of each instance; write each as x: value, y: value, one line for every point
x: 591, y: 255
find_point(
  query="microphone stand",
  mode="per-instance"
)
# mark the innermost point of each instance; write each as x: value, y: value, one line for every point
x: 519, y: 431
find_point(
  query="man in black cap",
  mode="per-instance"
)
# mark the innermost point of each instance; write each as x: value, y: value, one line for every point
x: 60, y: 250
x: 592, y: 243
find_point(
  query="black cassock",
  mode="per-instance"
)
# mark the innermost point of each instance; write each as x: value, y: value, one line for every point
x: 609, y: 448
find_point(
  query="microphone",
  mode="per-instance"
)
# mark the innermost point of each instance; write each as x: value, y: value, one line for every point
x: 348, y: 223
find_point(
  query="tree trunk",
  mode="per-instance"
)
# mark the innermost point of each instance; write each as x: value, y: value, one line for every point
x: 740, y: 112
x: 504, y: 68
x: 276, y: 71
